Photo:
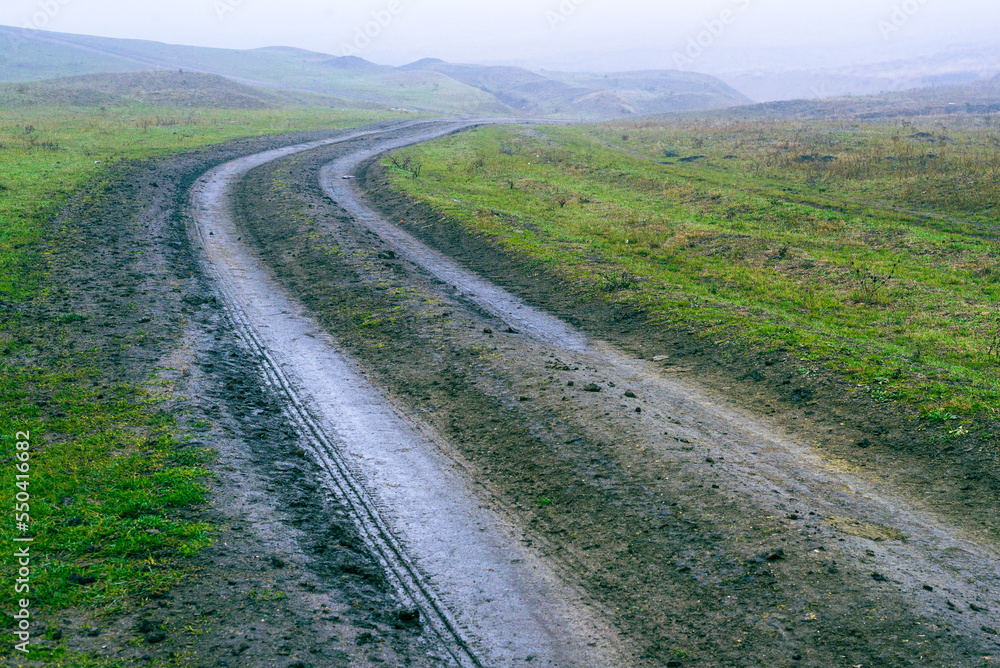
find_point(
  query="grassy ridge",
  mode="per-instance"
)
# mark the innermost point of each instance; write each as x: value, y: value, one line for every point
x: 107, y: 474
x: 868, y: 249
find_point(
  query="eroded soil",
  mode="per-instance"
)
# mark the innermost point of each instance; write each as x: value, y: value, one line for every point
x: 695, y: 569
x: 288, y: 582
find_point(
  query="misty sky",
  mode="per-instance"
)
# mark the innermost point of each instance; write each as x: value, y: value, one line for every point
x: 563, y: 34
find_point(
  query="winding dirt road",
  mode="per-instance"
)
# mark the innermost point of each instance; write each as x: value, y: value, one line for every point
x: 489, y: 601
x: 453, y: 551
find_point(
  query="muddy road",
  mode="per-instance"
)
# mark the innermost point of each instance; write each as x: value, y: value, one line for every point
x: 541, y: 496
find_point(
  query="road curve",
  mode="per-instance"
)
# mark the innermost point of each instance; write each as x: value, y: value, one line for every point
x: 759, y: 458
x: 488, y: 600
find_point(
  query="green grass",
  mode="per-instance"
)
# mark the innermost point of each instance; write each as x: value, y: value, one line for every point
x: 878, y: 261
x: 47, y: 153
x: 108, y: 480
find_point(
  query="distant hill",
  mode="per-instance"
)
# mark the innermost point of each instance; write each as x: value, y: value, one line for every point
x: 980, y: 97
x: 427, y: 85
x: 47, y: 55
x: 161, y: 88
x: 591, y: 95
x: 777, y: 78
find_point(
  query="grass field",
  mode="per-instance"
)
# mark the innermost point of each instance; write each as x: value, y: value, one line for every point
x: 106, y: 476
x: 867, y: 249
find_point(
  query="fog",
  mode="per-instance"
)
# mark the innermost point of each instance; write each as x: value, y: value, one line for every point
x: 738, y: 38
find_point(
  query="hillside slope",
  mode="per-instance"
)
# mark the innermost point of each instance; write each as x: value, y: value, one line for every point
x: 427, y: 85
x: 27, y: 55
x: 591, y: 95
x: 980, y: 97
x: 160, y: 88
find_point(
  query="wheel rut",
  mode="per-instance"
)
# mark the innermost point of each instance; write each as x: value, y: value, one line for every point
x: 488, y: 600
x: 414, y: 503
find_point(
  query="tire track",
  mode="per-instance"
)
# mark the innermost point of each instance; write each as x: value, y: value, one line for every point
x: 931, y: 562
x: 433, y: 540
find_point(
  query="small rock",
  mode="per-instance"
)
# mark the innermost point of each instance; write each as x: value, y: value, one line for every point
x: 592, y: 387
x: 928, y: 588
x: 660, y: 358
x: 638, y: 410
x: 156, y: 637
x: 277, y: 562
x: 570, y: 384
x: 524, y: 398
x: 409, y: 615
x: 511, y: 330
x: 487, y: 330
x: 878, y: 577
x: 630, y: 394
x: 145, y: 626
x: 93, y: 633
x: 775, y: 555
x: 976, y: 608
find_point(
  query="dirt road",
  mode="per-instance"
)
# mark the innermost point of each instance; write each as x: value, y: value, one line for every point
x: 545, y: 498
x: 488, y: 600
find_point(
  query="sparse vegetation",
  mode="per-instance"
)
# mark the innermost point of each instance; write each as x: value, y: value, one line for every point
x: 877, y: 258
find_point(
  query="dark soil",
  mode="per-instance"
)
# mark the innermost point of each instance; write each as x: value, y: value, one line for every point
x: 288, y: 582
x: 690, y: 575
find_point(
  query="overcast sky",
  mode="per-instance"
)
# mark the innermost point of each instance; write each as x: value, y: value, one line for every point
x: 564, y: 34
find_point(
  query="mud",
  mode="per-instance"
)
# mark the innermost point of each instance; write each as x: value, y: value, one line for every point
x: 487, y: 599
x: 662, y: 522
x: 289, y: 582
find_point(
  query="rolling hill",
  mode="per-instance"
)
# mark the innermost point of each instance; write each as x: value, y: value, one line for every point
x: 590, y: 95
x: 979, y: 97
x: 427, y: 85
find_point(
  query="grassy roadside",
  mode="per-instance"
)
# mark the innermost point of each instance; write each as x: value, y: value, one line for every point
x: 869, y: 250
x: 109, y: 484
